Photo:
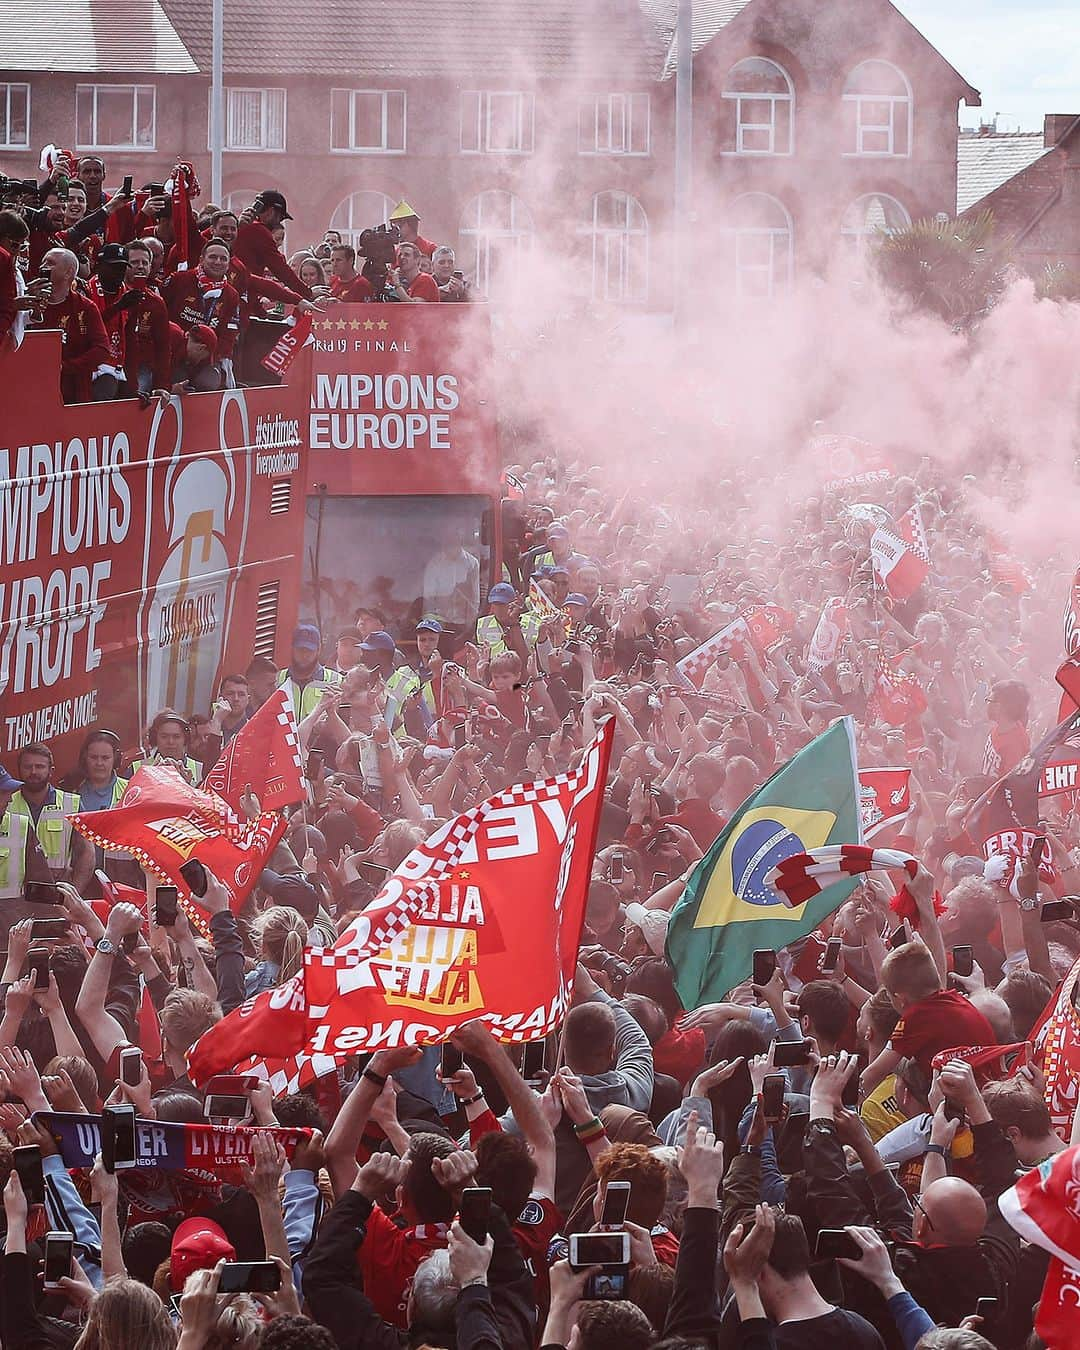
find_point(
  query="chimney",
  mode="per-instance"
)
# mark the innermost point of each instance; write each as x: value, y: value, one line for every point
x: 1055, y: 125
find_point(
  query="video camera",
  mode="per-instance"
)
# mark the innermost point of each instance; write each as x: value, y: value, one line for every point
x: 17, y: 187
x: 378, y: 246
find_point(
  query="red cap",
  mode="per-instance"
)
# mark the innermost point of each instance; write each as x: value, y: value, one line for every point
x: 198, y: 1244
x: 205, y: 335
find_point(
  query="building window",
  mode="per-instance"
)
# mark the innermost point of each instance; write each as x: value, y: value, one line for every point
x: 115, y: 117
x: 496, y: 229
x: 613, y: 124
x: 877, y: 111
x: 368, y: 121
x: 619, y: 232
x: 759, y: 235
x: 255, y: 119
x: 764, y: 99
x: 15, y: 116
x: 358, y: 212
x: 496, y: 123
x: 872, y: 216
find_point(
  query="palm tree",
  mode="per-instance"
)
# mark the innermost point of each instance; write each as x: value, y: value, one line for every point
x: 956, y: 269
x: 1058, y: 281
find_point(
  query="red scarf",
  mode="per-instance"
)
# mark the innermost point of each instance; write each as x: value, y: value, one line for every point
x: 115, y: 320
x: 210, y: 292
x: 185, y: 186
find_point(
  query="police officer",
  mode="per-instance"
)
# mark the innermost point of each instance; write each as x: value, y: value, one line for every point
x: 169, y: 738
x: 506, y: 628
x: 412, y: 700
x: 305, y: 677
x: 101, y: 788
x: 49, y: 812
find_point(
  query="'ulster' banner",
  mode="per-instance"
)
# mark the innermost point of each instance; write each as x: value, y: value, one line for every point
x: 884, y: 799
x: 162, y: 820
x: 480, y: 921
x: 264, y: 753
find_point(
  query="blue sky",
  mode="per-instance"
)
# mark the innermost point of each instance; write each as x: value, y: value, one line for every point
x: 1023, y: 55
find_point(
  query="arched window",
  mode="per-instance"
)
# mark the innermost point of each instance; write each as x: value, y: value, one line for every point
x: 496, y: 227
x: 764, y: 99
x: 358, y: 212
x: 877, y: 111
x: 759, y: 231
x: 618, y: 231
x: 871, y: 216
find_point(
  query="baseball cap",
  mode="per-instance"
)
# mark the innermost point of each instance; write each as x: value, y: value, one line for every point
x: 205, y: 335
x: 558, y: 570
x: 379, y: 641
x: 502, y: 593
x: 198, y: 1244
x: 271, y: 197
x: 558, y: 532
x: 427, y: 626
x: 7, y: 783
x: 350, y: 635
x: 653, y: 924
x: 575, y: 598
x: 307, y: 635
x: 112, y: 253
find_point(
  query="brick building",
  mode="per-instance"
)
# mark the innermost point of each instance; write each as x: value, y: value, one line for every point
x: 507, y: 121
x: 1031, y: 183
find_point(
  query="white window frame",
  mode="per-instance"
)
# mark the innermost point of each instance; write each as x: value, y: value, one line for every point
x: 737, y: 97
x: 859, y: 238
x: 7, y: 87
x: 352, y: 148
x: 263, y: 105
x: 635, y: 108
x: 93, y: 90
x: 485, y: 242
x: 602, y: 237
x: 894, y: 101
x: 350, y: 234
x: 774, y: 234
x: 526, y: 120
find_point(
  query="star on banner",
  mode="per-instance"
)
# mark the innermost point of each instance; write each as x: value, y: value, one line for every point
x: 369, y: 324
x: 382, y: 325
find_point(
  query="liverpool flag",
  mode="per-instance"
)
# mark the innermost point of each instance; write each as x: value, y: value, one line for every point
x: 727, y: 911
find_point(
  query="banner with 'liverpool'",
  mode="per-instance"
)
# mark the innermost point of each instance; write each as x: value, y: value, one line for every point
x: 480, y: 921
x: 162, y: 820
x: 265, y: 755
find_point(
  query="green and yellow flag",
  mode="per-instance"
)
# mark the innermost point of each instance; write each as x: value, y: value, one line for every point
x: 727, y: 911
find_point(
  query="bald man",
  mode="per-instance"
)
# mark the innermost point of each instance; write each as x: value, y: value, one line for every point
x: 85, y: 353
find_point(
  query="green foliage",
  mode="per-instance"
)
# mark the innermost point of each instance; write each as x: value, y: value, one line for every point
x: 956, y: 269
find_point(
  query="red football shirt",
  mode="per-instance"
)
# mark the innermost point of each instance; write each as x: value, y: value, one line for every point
x: 424, y: 287
x: 940, y: 1022
x: 388, y: 1259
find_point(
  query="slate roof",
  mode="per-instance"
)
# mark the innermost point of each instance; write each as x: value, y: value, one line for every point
x: 132, y: 38
x: 710, y: 16
x: 984, y: 163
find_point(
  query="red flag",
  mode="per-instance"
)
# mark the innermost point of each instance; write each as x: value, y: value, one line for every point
x: 846, y: 461
x: 768, y: 626
x: 897, y: 698
x: 163, y: 821
x: 900, y: 555
x: 1072, y: 618
x: 480, y: 921
x: 264, y: 753
x: 831, y: 627
x: 1044, y: 1208
x: 287, y: 348
x: 695, y: 665
x: 884, y: 799
x: 1057, y: 1038
x: 1061, y: 774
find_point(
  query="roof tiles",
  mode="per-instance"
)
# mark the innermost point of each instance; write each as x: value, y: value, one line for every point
x: 106, y: 37
x: 984, y: 163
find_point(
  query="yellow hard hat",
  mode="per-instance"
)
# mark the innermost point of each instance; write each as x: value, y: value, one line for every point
x: 403, y: 211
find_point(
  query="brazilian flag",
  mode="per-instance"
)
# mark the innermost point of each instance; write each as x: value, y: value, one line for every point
x: 727, y: 911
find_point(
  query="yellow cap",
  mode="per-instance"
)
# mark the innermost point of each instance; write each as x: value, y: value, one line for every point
x: 403, y: 211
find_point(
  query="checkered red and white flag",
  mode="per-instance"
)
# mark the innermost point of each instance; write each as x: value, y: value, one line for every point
x: 901, y: 555
x: 482, y: 920
x: 265, y: 755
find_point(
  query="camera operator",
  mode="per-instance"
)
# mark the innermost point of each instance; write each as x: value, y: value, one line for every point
x: 410, y: 285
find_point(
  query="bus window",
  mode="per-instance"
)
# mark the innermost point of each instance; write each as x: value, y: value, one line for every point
x: 408, y: 557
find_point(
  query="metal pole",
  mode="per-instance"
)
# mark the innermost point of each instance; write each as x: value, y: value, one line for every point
x: 217, y: 100
x: 684, y: 142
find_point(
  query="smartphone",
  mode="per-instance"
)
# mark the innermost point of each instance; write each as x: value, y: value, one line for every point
x: 850, y: 1095
x: 37, y: 964
x: 986, y: 1308
x: 963, y: 961
x: 131, y: 1066
x: 607, y: 1284
x: 658, y: 879
x: 475, y: 1211
x: 194, y: 873
x: 48, y: 930
x: 450, y: 1060
x: 125, y: 187
x: 166, y: 906
x: 899, y: 936
x: 156, y: 189
x: 41, y: 893
x: 1056, y: 909
x: 534, y: 1062
x: 772, y: 1097
x: 373, y: 873
x: 314, y: 767
x: 58, y: 1248
x: 1038, y: 848
x: 599, y: 1249
x: 835, y: 1242
x: 249, y: 1277
x: 764, y: 967
x: 789, y: 1148
x: 832, y: 955
x: 460, y: 736
x: 616, y: 1203
x: 117, y: 1137
x: 616, y: 869
x: 232, y: 1084
x: 220, y: 1107
x: 789, y: 1054
x: 26, y: 1160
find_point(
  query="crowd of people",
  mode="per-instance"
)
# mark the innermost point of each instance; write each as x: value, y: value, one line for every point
x: 155, y: 290
x: 779, y: 1168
